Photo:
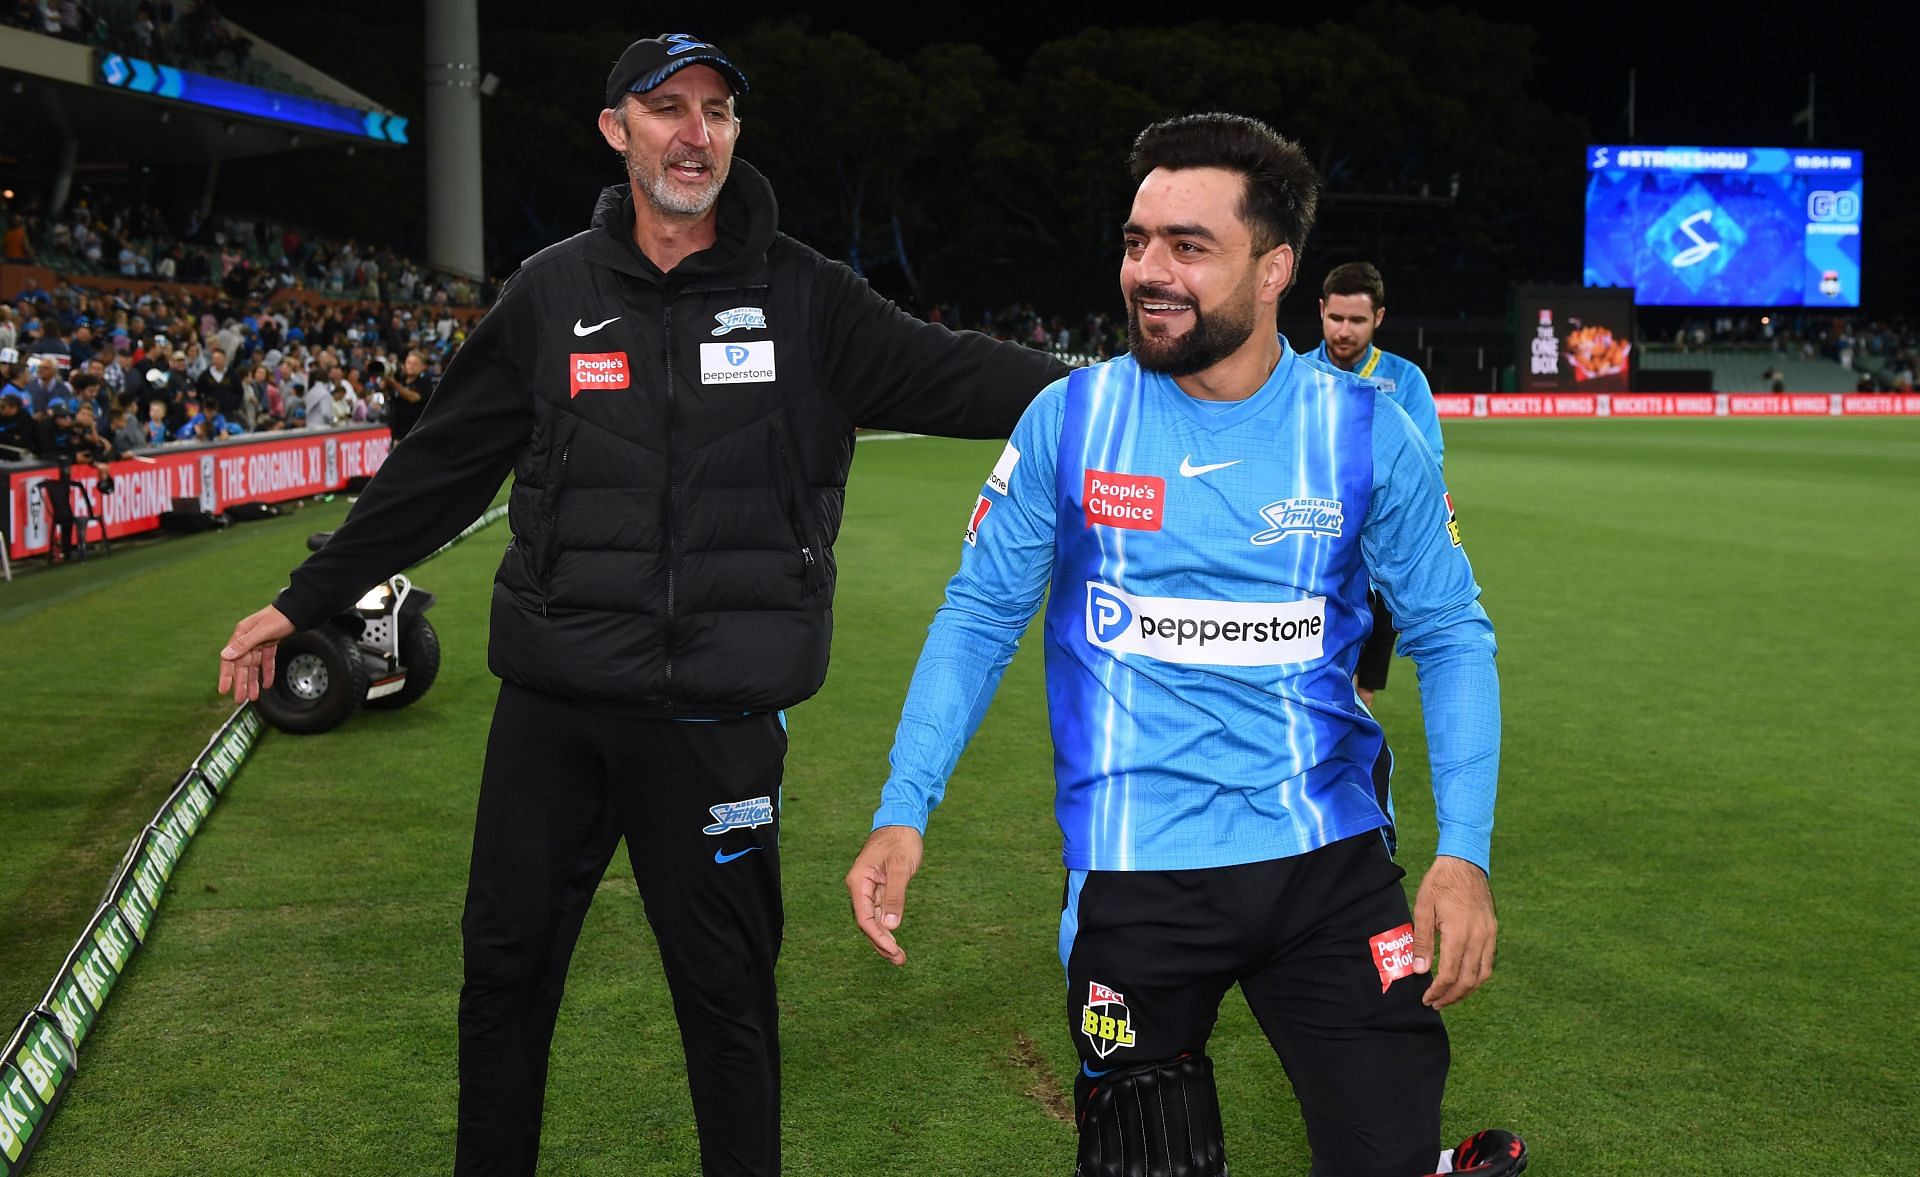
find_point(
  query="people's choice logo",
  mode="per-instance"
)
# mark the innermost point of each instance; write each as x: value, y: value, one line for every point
x: 597, y: 370
x: 740, y: 319
x: 1300, y: 517
x: 1393, y: 954
x: 737, y: 363
x: 1206, y: 633
x: 1136, y: 502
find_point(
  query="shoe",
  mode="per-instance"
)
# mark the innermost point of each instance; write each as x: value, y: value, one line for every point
x: 1492, y: 1153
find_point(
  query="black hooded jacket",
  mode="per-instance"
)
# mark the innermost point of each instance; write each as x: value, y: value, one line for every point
x: 680, y: 445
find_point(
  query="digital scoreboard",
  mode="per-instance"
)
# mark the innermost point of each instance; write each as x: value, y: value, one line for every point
x: 138, y: 76
x: 1725, y: 226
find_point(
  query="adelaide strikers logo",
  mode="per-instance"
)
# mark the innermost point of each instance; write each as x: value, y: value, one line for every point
x: 1105, y: 1020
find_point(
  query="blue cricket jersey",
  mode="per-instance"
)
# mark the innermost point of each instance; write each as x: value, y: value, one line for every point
x: 1209, y: 565
x: 1401, y: 379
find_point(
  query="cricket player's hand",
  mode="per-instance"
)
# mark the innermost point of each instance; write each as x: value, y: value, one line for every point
x: 246, y: 662
x: 1454, y: 905
x: 878, y: 886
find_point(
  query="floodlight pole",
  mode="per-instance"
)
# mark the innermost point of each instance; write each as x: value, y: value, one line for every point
x: 454, y: 242
x: 1630, y: 106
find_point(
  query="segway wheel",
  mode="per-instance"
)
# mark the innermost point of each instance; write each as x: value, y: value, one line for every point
x: 420, y: 654
x: 319, y: 681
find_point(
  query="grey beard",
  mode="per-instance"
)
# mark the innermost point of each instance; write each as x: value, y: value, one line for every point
x: 673, y: 203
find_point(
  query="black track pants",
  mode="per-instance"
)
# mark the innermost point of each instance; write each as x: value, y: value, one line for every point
x: 699, y: 806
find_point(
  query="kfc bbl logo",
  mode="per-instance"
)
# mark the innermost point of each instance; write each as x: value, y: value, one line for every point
x: 1105, y: 1020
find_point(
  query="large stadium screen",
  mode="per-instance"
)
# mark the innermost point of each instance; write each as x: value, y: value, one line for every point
x: 1725, y: 226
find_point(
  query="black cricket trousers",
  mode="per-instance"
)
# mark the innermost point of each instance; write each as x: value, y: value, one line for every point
x: 699, y: 804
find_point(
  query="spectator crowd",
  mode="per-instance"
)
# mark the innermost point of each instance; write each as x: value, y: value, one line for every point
x: 88, y: 376
x: 190, y: 34
x: 245, y: 258
x: 1095, y: 336
x: 1885, y: 353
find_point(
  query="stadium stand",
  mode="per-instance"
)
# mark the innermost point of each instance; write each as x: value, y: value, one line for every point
x: 1748, y: 369
x: 133, y: 303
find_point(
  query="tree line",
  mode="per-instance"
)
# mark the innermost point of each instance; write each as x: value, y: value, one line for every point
x: 926, y: 167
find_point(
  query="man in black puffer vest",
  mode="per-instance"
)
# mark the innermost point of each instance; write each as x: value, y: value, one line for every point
x: 676, y: 392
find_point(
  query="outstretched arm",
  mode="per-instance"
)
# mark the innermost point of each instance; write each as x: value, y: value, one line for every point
x: 889, y: 370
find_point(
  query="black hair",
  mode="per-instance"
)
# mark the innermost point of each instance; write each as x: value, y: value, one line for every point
x: 1282, y: 188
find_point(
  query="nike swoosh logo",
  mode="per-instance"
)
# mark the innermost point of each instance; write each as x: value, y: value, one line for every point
x: 578, y: 329
x: 723, y: 856
x: 1189, y: 470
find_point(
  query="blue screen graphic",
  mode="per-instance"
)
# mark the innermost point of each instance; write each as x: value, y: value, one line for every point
x: 139, y: 76
x: 1725, y: 226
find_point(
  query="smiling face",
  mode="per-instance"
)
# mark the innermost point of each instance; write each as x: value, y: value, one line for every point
x: 677, y: 140
x: 1193, y: 286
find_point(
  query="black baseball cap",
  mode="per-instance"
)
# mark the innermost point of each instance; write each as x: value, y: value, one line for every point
x: 648, y: 63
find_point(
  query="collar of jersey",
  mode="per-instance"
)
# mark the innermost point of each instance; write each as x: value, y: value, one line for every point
x: 1216, y: 419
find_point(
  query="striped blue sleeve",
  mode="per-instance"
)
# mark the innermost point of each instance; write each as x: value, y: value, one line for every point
x: 1416, y: 397
x: 1416, y: 561
x: 990, y: 601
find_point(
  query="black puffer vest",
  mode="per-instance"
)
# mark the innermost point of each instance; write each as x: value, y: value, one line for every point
x: 675, y: 508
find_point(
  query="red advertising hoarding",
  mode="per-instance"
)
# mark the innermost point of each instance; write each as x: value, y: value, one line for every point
x: 257, y: 468
x: 1455, y: 405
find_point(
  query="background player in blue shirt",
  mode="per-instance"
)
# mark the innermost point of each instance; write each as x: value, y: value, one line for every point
x: 1353, y: 303
x: 1208, y: 512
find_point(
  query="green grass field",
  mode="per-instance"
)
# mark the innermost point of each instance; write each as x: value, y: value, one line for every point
x: 1704, y: 859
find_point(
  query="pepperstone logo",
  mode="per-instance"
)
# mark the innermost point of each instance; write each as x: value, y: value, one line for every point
x: 1105, y: 1019
x: 738, y: 363
x: 1205, y: 633
x: 740, y: 815
x: 1393, y: 954
x: 1300, y: 517
x: 1107, y: 614
x: 740, y: 319
x: 1003, y: 469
